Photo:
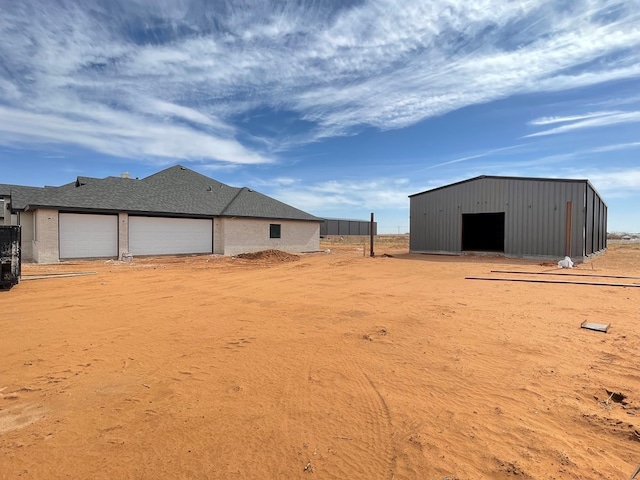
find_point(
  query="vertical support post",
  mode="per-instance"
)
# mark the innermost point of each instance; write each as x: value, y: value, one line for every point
x: 371, y: 252
x: 567, y: 244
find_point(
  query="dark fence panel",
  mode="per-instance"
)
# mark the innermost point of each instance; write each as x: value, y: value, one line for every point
x: 9, y: 256
x: 330, y: 226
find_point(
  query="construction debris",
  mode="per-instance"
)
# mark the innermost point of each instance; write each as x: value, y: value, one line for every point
x: 520, y: 272
x: 55, y: 275
x: 565, y: 263
x: 573, y: 282
x: 598, y: 327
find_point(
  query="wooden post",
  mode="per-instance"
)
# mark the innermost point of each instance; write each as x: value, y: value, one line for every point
x: 371, y: 252
x: 567, y: 244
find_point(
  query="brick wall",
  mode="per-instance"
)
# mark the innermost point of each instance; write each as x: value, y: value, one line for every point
x: 45, y: 245
x: 218, y: 236
x: 123, y: 234
x: 245, y: 235
x: 27, y: 235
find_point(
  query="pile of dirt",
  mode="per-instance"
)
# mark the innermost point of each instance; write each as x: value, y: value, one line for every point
x: 270, y: 255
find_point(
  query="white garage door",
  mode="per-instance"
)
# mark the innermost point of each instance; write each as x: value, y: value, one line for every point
x: 88, y: 236
x: 167, y: 236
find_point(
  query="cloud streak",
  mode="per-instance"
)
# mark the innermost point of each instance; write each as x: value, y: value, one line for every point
x: 570, y: 118
x: 167, y: 79
x: 123, y: 136
x: 488, y: 153
x: 376, y: 193
x: 591, y: 122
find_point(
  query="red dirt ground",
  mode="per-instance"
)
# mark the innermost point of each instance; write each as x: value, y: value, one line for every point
x: 334, y: 366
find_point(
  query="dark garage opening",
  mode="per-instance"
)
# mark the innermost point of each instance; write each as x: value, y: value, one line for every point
x: 483, y: 232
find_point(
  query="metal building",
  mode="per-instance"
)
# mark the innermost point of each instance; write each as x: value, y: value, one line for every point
x: 342, y: 226
x: 519, y: 217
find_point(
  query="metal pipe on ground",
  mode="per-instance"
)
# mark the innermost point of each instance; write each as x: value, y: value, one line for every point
x: 531, y: 280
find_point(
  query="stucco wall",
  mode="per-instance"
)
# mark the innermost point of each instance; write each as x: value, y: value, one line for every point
x: 245, y: 235
x: 45, y: 245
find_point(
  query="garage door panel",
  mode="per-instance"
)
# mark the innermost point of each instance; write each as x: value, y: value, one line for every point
x: 88, y: 236
x: 170, y: 236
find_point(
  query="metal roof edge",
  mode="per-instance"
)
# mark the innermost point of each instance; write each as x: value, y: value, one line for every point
x: 597, y: 193
x: 317, y: 219
x: 345, y: 219
x: 500, y: 177
x: 448, y: 185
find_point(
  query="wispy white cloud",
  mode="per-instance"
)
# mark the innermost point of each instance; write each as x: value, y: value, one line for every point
x: 571, y: 118
x: 616, y: 101
x: 616, y: 147
x: 275, y: 182
x: 122, y: 135
x: 617, y: 180
x: 598, y: 121
x: 381, y: 193
x: 612, y: 183
x: 171, y: 110
x: 534, y: 162
x: 169, y: 79
x: 284, y: 181
x: 488, y: 153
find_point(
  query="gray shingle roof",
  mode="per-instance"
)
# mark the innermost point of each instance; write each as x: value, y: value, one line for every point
x: 173, y: 191
x: 20, y: 190
x: 249, y: 203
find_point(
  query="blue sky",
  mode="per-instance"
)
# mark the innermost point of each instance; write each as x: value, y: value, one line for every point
x: 339, y: 108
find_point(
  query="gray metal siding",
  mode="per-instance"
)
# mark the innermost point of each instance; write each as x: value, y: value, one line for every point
x: 535, y: 215
x: 595, y: 222
x: 603, y: 226
x: 589, y: 221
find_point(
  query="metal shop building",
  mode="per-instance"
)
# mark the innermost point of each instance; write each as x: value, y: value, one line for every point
x: 516, y: 216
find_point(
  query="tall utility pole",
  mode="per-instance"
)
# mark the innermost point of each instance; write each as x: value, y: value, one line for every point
x: 371, y: 252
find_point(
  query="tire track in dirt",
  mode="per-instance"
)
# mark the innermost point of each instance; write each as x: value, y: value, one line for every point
x: 384, y: 427
x: 355, y: 433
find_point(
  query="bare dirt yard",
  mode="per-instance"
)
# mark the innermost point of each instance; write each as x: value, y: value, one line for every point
x: 327, y: 366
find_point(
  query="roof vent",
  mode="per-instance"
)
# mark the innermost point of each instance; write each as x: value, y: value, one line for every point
x: 125, y: 175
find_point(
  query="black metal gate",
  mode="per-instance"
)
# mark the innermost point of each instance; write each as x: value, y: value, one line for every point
x: 9, y: 256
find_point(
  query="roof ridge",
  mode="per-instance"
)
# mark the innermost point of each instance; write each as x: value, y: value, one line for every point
x: 235, y: 197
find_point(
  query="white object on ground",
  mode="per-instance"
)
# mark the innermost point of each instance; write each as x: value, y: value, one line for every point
x: 565, y: 263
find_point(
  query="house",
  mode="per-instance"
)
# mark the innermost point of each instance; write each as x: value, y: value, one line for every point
x: 515, y: 216
x: 175, y: 211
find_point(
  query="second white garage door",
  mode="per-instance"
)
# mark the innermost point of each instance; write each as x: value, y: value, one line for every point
x: 169, y: 236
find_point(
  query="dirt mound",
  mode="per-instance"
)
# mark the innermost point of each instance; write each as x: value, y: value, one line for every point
x: 271, y: 255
